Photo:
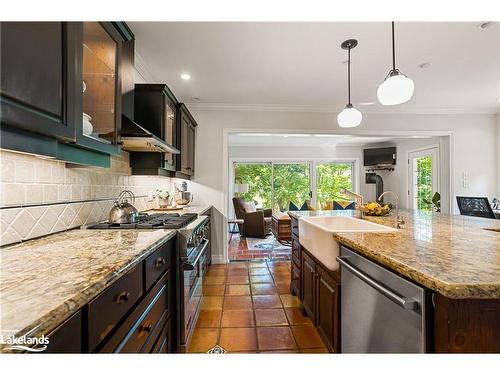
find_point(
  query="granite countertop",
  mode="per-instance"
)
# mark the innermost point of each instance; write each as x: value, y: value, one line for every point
x: 191, y: 209
x: 46, y: 280
x: 452, y: 255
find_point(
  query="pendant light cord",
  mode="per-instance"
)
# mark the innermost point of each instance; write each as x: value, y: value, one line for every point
x: 349, y: 76
x: 393, y: 49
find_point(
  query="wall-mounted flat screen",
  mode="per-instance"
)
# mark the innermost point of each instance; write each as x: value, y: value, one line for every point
x: 379, y: 156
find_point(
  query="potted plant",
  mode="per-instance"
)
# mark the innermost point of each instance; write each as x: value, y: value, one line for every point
x: 163, y: 198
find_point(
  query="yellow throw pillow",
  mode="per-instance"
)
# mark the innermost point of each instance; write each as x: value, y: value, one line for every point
x: 328, y: 206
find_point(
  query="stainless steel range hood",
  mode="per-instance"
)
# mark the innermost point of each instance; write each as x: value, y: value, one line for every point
x: 137, y: 139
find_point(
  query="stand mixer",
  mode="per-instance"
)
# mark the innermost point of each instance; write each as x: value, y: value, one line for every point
x: 182, y: 196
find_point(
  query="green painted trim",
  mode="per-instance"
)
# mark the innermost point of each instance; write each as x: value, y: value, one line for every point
x: 23, y: 141
x: 124, y: 30
x: 76, y: 155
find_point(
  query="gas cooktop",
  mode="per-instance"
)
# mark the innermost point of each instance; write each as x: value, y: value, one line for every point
x: 153, y: 221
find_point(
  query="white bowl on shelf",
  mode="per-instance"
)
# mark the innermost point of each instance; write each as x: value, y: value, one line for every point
x: 87, y: 126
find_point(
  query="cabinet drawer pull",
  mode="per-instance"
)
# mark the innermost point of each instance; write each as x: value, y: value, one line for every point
x: 160, y: 262
x: 147, y: 328
x: 122, y: 297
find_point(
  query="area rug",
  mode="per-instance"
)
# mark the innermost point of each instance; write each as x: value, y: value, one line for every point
x: 269, y: 243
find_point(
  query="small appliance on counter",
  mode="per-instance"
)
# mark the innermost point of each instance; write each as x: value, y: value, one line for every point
x: 182, y: 196
x: 122, y: 211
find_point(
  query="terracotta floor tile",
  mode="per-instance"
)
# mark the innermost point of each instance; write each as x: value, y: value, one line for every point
x: 263, y: 289
x: 289, y: 301
x: 216, y: 272
x: 237, y: 272
x: 270, y: 317
x: 258, y: 271
x: 307, y: 337
x: 209, y: 319
x: 283, y: 288
x: 213, y: 290
x: 218, y: 266
x: 275, y: 338
x: 238, y: 339
x: 295, y: 317
x: 214, y: 280
x: 238, y: 290
x: 257, y: 265
x: 315, y: 351
x: 237, y: 280
x: 237, y: 318
x: 255, y: 279
x: 271, y: 301
x: 203, y: 339
x: 237, y: 303
x: 211, y: 303
x: 281, y: 279
x: 235, y: 265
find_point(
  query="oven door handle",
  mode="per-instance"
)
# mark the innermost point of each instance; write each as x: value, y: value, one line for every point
x: 190, y: 265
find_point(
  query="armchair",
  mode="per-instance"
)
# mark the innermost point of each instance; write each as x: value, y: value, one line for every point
x: 257, y: 222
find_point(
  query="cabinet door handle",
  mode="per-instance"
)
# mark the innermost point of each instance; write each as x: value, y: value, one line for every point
x: 122, y: 297
x: 160, y: 262
x: 404, y: 302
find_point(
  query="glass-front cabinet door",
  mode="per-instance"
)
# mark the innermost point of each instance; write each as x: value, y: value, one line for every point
x: 101, y: 88
x: 169, y: 129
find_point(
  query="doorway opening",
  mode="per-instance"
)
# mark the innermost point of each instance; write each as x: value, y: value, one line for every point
x: 423, y: 167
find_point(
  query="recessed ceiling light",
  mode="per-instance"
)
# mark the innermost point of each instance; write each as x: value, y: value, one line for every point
x: 484, y: 25
x: 186, y: 76
x: 366, y: 103
x: 424, y: 65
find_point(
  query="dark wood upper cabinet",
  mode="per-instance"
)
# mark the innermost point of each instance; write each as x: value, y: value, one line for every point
x: 100, y: 54
x: 186, y: 130
x: 39, y: 86
x: 155, y: 110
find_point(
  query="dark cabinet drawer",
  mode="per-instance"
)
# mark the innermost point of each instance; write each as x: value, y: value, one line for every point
x: 295, y: 227
x: 149, y: 324
x: 67, y: 338
x: 106, y: 310
x: 157, y: 263
x: 295, y: 281
x: 296, y: 251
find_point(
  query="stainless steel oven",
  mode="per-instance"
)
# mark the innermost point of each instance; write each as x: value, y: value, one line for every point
x: 194, y: 248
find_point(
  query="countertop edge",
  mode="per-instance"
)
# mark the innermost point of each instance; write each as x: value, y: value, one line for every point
x: 49, y: 321
x: 452, y: 291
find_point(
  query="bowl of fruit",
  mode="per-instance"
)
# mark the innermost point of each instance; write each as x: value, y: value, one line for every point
x: 376, y: 209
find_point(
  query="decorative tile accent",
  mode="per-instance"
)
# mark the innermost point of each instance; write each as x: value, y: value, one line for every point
x: 27, y: 179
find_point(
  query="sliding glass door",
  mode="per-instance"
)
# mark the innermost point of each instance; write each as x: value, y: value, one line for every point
x: 291, y: 183
x: 276, y: 184
x: 330, y: 179
x: 254, y: 182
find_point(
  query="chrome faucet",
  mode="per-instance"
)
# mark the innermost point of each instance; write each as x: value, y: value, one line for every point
x: 399, y: 221
x: 358, y: 200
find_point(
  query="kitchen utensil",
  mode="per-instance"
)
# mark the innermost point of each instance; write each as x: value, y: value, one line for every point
x: 122, y: 211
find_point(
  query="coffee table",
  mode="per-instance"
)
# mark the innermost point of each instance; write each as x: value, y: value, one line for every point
x: 282, y: 227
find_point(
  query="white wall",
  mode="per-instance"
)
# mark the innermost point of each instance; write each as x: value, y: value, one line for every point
x: 473, y: 143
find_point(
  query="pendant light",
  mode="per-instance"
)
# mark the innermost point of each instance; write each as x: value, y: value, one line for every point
x: 350, y: 117
x: 396, y: 88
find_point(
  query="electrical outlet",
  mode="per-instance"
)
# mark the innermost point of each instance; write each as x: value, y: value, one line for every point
x: 151, y: 196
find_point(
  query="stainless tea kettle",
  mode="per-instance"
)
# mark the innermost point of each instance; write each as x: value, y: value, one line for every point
x: 122, y: 211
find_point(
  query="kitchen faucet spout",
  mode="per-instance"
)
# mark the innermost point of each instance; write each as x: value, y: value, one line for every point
x: 399, y: 221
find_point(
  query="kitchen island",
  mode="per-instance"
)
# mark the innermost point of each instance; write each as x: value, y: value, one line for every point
x: 455, y: 258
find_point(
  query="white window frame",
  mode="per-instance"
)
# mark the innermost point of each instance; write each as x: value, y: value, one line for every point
x: 434, y: 152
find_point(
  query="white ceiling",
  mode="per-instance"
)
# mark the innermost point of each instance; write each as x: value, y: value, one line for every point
x: 305, y: 140
x: 299, y: 65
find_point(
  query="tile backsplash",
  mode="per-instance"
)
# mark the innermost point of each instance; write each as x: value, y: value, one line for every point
x: 59, y: 197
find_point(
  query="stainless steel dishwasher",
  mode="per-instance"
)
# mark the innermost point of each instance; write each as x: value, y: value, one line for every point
x: 380, y: 311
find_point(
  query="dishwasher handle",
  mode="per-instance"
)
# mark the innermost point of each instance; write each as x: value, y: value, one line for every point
x: 405, y: 303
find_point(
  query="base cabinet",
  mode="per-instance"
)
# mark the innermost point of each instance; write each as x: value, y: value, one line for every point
x: 308, y: 286
x: 327, y: 309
